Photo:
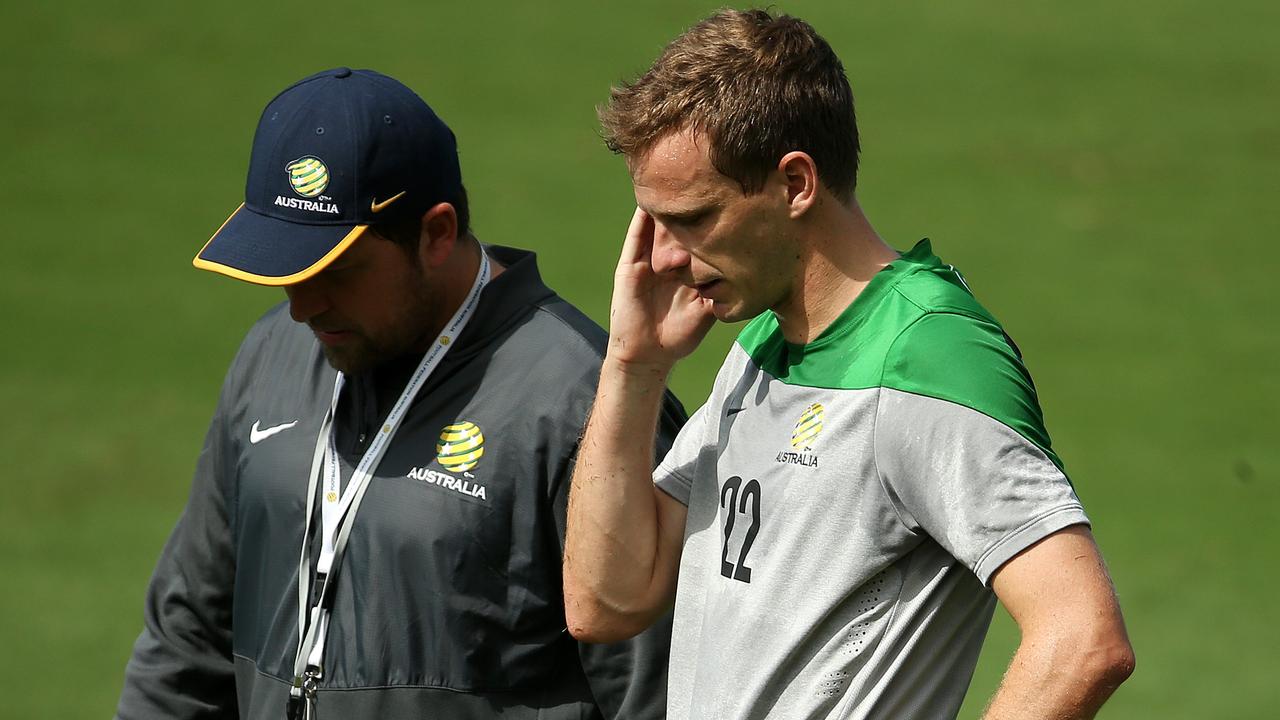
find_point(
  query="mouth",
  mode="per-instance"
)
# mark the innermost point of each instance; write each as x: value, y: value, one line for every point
x: 705, y: 289
x: 331, y: 337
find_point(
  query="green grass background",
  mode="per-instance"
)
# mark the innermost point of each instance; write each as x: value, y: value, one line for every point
x: 1105, y: 174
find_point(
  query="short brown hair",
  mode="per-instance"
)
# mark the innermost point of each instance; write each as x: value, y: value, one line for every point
x: 757, y: 85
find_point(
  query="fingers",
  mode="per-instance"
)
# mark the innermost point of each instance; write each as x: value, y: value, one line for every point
x: 698, y: 306
x: 686, y: 301
x: 688, y: 320
x: 637, y: 247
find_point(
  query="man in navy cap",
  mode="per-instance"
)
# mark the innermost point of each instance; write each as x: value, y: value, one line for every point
x: 377, y: 517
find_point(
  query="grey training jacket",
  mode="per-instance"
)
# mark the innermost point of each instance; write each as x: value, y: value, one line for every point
x: 449, y: 601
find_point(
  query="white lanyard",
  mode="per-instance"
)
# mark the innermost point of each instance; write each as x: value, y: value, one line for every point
x: 338, y: 509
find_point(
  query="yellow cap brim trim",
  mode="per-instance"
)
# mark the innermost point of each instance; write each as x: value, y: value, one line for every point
x: 270, y: 280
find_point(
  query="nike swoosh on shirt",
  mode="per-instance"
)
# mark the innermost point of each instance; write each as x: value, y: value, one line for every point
x: 256, y: 436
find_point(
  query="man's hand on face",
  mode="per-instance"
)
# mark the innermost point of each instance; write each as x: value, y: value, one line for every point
x: 654, y: 319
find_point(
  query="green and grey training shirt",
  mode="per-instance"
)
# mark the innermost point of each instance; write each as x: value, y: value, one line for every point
x: 849, y: 501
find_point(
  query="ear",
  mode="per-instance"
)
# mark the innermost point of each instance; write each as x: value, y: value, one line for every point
x: 800, y: 174
x: 439, y: 235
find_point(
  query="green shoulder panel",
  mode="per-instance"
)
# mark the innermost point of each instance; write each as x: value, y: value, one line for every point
x: 968, y: 360
x: 918, y: 329
x: 848, y: 355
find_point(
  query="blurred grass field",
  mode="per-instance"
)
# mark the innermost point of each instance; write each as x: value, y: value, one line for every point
x: 1104, y: 173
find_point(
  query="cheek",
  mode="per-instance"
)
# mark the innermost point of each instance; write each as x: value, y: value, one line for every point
x: 720, y: 244
x: 409, y: 307
x: 363, y: 305
x: 763, y: 258
x: 742, y: 245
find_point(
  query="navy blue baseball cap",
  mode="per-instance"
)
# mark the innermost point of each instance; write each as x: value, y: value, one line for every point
x: 333, y: 154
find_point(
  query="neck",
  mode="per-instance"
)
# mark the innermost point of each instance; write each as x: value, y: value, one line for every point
x: 841, y: 254
x: 450, y: 282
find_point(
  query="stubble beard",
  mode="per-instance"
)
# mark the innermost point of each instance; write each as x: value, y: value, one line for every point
x: 410, y: 330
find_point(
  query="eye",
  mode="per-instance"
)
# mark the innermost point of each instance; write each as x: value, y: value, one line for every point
x: 690, y: 220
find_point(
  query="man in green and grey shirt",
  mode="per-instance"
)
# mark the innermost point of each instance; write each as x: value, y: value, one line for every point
x: 871, y: 471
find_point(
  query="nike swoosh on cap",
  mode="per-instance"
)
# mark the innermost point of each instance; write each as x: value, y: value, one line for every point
x: 256, y: 436
x: 378, y: 207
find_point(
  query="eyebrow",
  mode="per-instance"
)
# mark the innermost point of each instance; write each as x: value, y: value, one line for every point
x: 683, y: 214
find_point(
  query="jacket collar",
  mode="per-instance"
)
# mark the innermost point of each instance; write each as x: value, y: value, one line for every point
x: 506, y: 300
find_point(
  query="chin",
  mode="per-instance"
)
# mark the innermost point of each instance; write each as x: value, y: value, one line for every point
x: 732, y: 313
x: 736, y: 308
x: 347, y: 363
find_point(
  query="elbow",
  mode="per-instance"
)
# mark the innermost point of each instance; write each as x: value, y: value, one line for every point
x: 597, y: 628
x: 1110, y: 664
x: 1100, y: 665
x: 1092, y: 662
x: 590, y: 620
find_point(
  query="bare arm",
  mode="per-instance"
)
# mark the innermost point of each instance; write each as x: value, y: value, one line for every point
x: 1074, y: 651
x: 622, y: 549
x: 622, y: 545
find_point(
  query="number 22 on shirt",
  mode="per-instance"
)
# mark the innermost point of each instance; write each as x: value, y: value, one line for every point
x: 739, y: 499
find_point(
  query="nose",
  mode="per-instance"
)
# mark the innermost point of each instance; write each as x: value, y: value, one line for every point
x: 306, y: 301
x: 668, y: 254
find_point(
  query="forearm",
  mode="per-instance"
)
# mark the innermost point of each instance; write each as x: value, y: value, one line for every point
x: 615, y: 568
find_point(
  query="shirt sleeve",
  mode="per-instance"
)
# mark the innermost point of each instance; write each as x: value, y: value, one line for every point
x: 679, y: 466
x: 182, y: 665
x: 961, y: 446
